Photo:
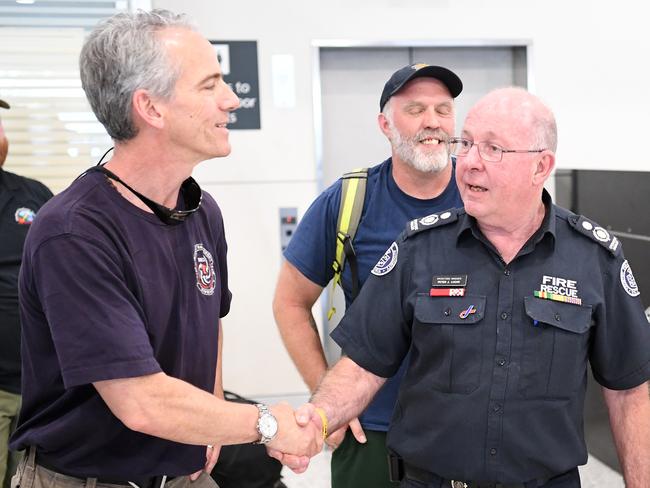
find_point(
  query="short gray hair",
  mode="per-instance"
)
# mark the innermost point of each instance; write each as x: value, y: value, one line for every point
x: 121, y: 55
x: 387, y: 110
x: 546, y: 129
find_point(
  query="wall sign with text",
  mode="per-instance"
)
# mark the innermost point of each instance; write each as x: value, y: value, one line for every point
x: 238, y: 61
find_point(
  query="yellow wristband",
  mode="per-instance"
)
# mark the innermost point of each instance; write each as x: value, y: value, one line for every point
x: 323, y: 419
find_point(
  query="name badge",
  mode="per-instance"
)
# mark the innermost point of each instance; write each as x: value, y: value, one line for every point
x: 449, y: 281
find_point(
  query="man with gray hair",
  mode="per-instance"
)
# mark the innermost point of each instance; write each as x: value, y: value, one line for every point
x: 125, y: 280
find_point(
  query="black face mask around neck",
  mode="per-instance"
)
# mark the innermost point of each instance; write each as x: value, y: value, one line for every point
x: 192, y: 197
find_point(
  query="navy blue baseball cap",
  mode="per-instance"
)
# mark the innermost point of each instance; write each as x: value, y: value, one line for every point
x: 3, y: 104
x: 403, y: 75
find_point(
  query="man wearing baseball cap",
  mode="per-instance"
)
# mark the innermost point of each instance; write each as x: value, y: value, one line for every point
x: 20, y: 199
x: 417, y: 117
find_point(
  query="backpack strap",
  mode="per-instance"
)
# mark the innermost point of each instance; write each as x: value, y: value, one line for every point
x: 353, y: 194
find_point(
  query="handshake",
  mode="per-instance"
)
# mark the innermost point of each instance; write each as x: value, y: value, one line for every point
x: 301, y: 435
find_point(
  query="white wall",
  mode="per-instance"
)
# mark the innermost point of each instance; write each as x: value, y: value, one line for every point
x: 589, y: 62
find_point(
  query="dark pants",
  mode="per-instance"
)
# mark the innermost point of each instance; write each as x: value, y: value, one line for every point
x: 31, y: 475
x: 356, y: 465
x: 570, y: 479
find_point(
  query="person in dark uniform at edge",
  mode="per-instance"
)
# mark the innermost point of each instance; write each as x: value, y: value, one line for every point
x: 417, y: 116
x: 20, y: 200
x: 502, y: 305
x: 121, y: 297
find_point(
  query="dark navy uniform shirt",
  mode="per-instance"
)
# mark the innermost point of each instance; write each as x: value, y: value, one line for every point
x: 496, y: 382
x: 20, y: 200
x: 108, y: 291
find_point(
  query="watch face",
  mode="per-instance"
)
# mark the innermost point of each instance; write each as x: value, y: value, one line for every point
x: 268, y: 425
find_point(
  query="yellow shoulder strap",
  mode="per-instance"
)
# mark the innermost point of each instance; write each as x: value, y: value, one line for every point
x: 353, y: 194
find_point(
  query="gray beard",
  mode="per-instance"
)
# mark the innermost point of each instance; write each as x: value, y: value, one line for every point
x: 406, y: 149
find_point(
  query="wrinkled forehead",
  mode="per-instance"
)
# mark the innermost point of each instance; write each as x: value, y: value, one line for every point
x: 489, y: 121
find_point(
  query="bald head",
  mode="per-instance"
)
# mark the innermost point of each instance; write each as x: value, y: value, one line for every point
x: 506, y: 192
x: 522, y: 111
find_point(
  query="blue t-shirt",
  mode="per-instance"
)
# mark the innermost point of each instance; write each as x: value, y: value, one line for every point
x: 385, y: 212
x: 108, y: 291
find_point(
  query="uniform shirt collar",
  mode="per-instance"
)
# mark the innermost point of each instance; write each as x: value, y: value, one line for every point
x: 468, y: 225
x: 9, y: 180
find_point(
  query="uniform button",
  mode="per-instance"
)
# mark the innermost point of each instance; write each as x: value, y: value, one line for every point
x: 496, y: 407
x: 493, y: 451
x: 447, y: 312
x: 504, y: 315
x: 506, y: 272
x: 557, y: 317
x: 501, y: 362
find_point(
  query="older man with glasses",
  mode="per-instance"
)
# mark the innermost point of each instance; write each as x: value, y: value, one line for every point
x: 501, y: 322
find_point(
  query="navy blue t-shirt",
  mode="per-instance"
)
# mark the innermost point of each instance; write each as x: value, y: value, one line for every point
x: 108, y: 291
x: 385, y: 213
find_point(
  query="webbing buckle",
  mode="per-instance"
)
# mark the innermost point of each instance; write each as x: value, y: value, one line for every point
x: 458, y: 484
x: 342, y: 237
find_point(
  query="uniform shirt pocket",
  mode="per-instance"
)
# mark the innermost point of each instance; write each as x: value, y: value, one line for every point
x: 447, y: 342
x: 555, y: 348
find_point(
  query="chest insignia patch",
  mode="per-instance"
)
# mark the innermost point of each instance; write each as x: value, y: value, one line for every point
x: 24, y: 215
x: 206, y: 280
x: 559, y: 290
x: 387, y: 261
x: 628, y: 281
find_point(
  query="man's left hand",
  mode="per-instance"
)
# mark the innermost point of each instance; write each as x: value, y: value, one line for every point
x: 211, y: 456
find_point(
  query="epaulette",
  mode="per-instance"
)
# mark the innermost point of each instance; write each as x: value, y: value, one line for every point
x: 595, y: 232
x: 431, y: 221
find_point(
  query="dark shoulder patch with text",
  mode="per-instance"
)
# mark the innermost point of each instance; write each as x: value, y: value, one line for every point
x: 431, y: 221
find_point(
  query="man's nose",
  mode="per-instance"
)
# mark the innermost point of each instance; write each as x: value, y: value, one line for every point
x: 471, y: 160
x: 230, y: 101
x: 431, y: 120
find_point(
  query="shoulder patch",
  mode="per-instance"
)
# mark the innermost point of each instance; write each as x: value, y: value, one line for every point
x: 628, y: 281
x: 431, y: 221
x: 387, y: 261
x: 595, y: 232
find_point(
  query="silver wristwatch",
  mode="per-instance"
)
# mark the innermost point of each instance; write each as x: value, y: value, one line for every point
x: 267, y: 424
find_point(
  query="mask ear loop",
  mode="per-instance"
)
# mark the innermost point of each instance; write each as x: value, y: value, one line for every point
x: 105, y: 154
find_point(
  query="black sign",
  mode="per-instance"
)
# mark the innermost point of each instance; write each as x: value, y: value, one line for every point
x: 238, y: 61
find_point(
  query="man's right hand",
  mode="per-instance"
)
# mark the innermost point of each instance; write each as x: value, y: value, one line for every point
x: 292, y: 438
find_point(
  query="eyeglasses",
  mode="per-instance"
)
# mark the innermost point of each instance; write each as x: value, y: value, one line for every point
x: 487, y: 150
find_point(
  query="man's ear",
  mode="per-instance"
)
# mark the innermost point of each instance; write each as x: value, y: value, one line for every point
x: 147, y: 109
x: 544, y: 167
x: 384, y: 125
